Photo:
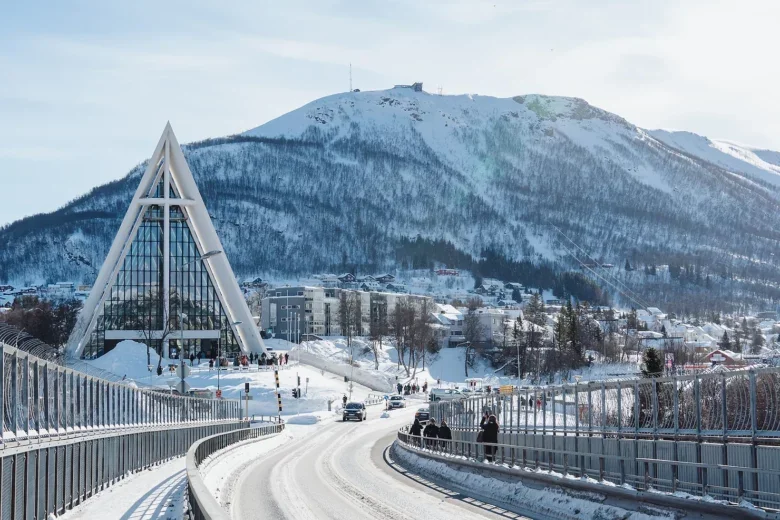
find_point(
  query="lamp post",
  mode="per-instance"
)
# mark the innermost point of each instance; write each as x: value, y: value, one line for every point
x: 180, y: 269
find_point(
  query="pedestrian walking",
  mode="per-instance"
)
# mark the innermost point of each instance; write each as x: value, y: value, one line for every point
x: 192, y: 358
x: 286, y: 357
x: 445, y: 434
x: 416, y: 430
x: 211, y: 364
x: 344, y: 400
x: 400, y: 388
x: 489, y: 427
x: 431, y: 433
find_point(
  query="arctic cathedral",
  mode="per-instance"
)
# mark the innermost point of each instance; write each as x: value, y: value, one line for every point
x: 166, y: 281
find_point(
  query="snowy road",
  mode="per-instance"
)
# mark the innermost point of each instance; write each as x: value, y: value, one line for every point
x: 342, y: 471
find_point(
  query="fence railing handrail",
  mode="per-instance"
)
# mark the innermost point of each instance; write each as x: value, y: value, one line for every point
x: 742, y: 404
x: 42, y: 399
x: 203, y: 505
x: 575, y: 464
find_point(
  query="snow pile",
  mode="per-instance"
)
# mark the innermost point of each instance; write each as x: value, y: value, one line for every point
x: 129, y: 358
x: 552, y: 502
x: 303, y: 419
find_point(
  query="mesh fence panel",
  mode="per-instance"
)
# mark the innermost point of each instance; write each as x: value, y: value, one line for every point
x: 6, y: 494
x: 19, y: 465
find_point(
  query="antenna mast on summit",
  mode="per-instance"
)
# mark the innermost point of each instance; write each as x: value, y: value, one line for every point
x: 350, y: 77
x: 439, y: 89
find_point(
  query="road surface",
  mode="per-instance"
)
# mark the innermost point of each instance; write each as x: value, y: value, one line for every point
x: 344, y: 471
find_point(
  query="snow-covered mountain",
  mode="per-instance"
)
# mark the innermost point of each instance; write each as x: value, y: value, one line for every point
x: 348, y: 180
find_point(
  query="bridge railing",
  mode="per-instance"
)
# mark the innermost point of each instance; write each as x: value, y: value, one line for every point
x: 621, y: 464
x: 717, y: 406
x: 203, y: 505
x: 44, y: 400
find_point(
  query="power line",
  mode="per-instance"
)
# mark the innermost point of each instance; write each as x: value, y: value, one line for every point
x: 628, y: 296
x: 637, y: 297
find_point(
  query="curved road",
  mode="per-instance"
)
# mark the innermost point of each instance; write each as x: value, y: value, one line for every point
x: 344, y: 471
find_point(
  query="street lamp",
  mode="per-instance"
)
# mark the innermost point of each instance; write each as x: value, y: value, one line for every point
x: 180, y: 269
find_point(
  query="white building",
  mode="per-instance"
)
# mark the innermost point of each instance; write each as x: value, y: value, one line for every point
x: 166, y: 281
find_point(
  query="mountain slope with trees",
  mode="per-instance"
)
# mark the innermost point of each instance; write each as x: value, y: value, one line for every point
x: 513, y: 188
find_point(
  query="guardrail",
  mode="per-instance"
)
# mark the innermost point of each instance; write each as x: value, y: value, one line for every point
x: 727, y: 405
x: 49, y: 478
x: 203, y: 505
x: 622, y: 467
x: 42, y: 400
x: 373, y: 399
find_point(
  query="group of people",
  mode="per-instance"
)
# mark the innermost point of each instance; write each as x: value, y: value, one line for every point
x: 432, y: 434
x: 244, y: 360
x: 436, y: 436
x: 411, y: 388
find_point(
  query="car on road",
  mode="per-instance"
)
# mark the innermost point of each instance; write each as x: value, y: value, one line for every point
x: 446, y: 394
x: 423, y: 415
x: 396, y: 401
x: 354, y: 411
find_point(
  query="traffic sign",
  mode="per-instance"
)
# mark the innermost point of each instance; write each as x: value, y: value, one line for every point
x: 186, y: 370
x: 183, y: 387
x: 219, y: 394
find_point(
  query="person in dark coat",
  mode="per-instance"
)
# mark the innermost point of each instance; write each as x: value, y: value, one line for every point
x: 400, y: 388
x: 286, y: 357
x: 489, y: 435
x: 431, y: 433
x: 415, y: 430
x: 445, y: 434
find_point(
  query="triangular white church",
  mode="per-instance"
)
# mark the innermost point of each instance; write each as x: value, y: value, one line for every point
x: 166, y: 281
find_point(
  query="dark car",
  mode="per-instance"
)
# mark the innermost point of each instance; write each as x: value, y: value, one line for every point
x: 422, y: 415
x: 354, y: 411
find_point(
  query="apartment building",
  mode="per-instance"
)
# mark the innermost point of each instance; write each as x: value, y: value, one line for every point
x: 290, y: 312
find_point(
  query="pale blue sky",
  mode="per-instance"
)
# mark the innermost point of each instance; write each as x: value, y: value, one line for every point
x: 87, y: 86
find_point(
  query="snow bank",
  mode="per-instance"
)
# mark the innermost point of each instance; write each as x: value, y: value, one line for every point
x: 129, y: 359
x: 303, y: 419
x: 381, y: 382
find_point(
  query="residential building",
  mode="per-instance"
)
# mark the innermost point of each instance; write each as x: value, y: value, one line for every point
x: 288, y: 312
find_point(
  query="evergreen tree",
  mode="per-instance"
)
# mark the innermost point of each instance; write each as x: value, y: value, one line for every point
x: 652, y: 363
x: 573, y: 333
x: 725, y: 342
x: 628, y: 266
x: 534, y: 312
x: 737, y: 347
x: 758, y: 341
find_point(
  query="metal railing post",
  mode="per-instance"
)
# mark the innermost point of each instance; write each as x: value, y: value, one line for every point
x: 655, y: 407
x: 25, y: 395
x: 724, y: 413
x: 36, y: 408
x: 603, y: 409
x: 14, y: 394
x: 620, y: 421
x: 47, y: 391
x: 676, y: 406
x: 697, y: 404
